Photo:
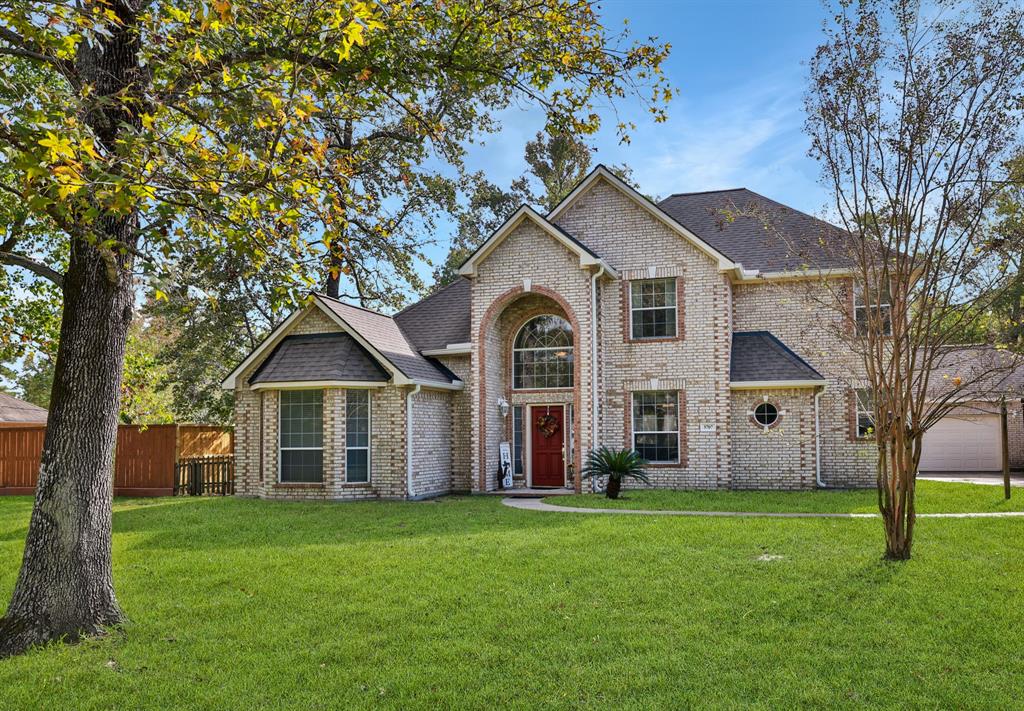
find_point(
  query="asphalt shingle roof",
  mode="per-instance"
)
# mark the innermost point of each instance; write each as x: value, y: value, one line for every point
x: 760, y: 356
x: 382, y: 332
x: 440, y: 319
x: 14, y: 410
x: 808, y: 242
x: 320, y: 356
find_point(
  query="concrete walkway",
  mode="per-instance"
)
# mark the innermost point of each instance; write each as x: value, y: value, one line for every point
x: 540, y: 505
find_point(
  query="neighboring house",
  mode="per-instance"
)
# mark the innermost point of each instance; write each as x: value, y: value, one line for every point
x: 969, y: 438
x: 18, y: 413
x: 666, y: 328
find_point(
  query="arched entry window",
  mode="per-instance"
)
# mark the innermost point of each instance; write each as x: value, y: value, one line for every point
x: 542, y: 354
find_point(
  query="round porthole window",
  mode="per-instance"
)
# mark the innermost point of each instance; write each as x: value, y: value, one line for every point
x: 766, y: 414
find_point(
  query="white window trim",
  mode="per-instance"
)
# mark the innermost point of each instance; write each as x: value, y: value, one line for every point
x: 779, y: 412
x: 860, y: 305
x: 635, y: 432
x: 571, y: 349
x: 858, y: 412
x: 369, y: 437
x: 674, y: 307
x: 280, y: 449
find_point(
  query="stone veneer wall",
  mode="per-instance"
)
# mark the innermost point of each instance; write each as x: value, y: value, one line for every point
x: 803, y: 314
x: 697, y: 366
x: 431, y: 443
x: 781, y: 457
x: 256, y: 437
x: 553, y: 271
x: 461, y: 423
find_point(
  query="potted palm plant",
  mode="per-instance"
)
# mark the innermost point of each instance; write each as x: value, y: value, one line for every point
x: 616, y: 464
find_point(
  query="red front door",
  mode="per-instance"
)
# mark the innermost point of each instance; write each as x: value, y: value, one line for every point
x: 547, y: 428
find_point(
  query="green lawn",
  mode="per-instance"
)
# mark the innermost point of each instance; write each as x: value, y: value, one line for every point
x: 932, y: 497
x: 466, y: 603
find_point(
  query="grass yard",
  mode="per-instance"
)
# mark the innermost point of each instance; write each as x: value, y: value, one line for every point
x: 466, y: 603
x: 932, y: 497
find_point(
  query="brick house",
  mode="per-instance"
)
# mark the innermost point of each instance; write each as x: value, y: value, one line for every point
x: 610, y: 321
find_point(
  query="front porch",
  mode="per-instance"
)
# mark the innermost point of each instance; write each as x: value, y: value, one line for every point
x: 529, y: 492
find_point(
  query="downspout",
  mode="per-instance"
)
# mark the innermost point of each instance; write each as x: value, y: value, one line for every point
x: 408, y: 441
x: 593, y: 365
x: 817, y: 439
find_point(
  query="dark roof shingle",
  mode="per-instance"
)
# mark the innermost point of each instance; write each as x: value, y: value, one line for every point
x: 14, y: 410
x: 384, y: 335
x: 808, y: 242
x: 319, y: 356
x: 758, y: 356
x: 439, y: 319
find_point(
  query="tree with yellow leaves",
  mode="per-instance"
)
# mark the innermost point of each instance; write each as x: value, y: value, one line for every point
x: 132, y: 128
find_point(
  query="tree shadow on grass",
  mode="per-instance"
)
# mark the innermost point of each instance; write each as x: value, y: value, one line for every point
x: 229, y: 523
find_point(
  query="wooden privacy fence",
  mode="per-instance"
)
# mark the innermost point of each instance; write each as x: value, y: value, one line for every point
x: 145, y: 460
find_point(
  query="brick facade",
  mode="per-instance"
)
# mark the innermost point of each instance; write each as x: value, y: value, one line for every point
x: 456, y: 433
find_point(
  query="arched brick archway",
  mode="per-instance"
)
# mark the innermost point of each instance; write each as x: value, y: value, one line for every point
x: 490, y: 320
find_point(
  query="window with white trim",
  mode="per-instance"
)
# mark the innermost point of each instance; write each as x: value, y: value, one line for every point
x: 652, y: 308
x: 542, y: 354
x: 656, y: 425
x: 864, y: 301
x: 301, y: 436
x: 865, y: 412
x: 357, y: 436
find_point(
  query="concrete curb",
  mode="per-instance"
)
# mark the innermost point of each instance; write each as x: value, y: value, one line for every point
x: 540, y: 505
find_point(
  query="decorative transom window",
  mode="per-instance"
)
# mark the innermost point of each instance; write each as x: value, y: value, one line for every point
x: 865, y: 412
x: 653, y: 308
x: 301, y: 436
x: 766, y: 414
x: 656, y: 425
x: 357, y: 435
x: 867, y: 300
x: 542, y: 354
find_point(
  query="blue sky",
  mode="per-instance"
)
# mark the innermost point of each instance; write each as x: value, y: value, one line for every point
x: 739, y: 68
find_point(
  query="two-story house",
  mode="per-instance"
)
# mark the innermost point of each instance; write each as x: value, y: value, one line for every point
x: 675, y: 329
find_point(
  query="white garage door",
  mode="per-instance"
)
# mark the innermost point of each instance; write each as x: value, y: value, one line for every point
x: 964, y: 444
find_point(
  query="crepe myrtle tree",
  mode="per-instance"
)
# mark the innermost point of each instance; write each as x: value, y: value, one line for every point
x: 913, y: 110
x: 163, y: 124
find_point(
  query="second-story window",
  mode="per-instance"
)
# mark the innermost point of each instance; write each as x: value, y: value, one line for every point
x: 542, y: 354
x: 652, y: 308
x: 871, y: 304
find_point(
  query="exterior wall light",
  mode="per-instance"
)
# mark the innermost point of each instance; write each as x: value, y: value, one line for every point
x: 503, y: 407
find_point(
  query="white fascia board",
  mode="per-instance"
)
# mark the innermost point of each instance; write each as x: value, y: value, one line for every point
x: 397, y: 375
x: 316, y: 384
x: 450, y: 349
x: 269, y: 342
x: 526, y: 213
x: 774, y: 384
x: 428, y: 385
x: 743, y: 275
x: 724, y: 263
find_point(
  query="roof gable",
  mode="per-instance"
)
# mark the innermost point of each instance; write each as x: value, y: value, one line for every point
x: 586, y: 256
x: 378, y: 334
x: 601, y: 173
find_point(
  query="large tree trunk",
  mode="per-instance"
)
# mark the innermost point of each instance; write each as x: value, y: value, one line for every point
x: 897, y: 477
x: 65, y: 588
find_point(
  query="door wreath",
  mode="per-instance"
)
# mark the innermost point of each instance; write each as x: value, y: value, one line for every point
x: 547, y: 425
